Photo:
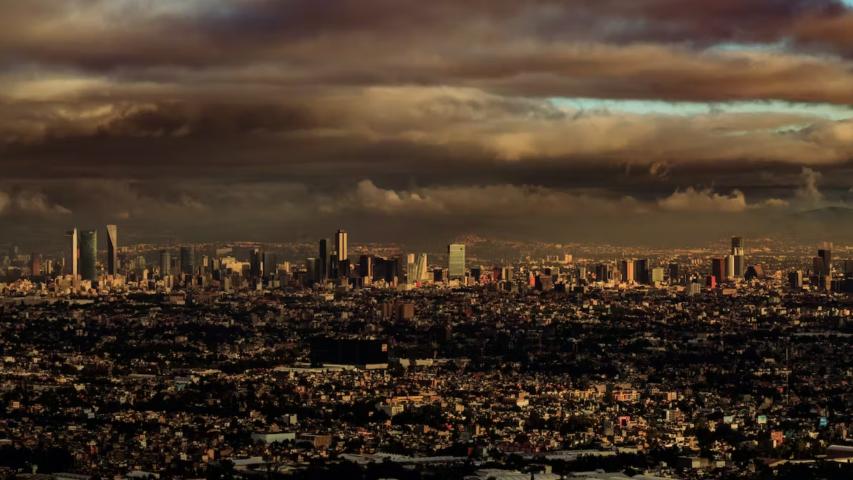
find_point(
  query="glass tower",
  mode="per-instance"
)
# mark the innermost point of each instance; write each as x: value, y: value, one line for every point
x: 456, y: 260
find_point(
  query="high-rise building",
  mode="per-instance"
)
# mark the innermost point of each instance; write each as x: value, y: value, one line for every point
x: 718, y: 270
x: 74, y: 257
x: 89, y: 255
x: 603, y: 272
x: 165, y: 263
x: 730, y: 267
x: 421, y: 273
x: 324, y: 258
x: 341, y: 245
x: 365, y: 268
x: 657, y: 275
x: 739, y: 259
x: 256, y: 264
x: 456, y: 260
x: 823, y: 267
x: 795, y: 279
x: 112, y: 250
x: 35, y: 264
x: 270, y: 264
x: 626, y: 270
x: 674, y: 276
x: 188, y: 260
x: 641, y: 271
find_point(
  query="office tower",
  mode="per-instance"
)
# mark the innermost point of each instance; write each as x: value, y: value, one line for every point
x: 641, y: 271
x: 795, y: 279
x: 365, y: 268
x: 165, y: 263
x: 626, y: 270
x: 718, y: 269
x: 341, y: 245
x: 411, y: 274
x: 603, y: 273
x: 738, y: 254
x: 187, y: 260
x: 334, y: 267
x: 848, y: 268
x: 89, y: 255
x: 422, y: 275
x: 270, y: 264
x: 312, y: 267
x: 657, y: 275
x: 823, y: 267
x: 256, y: 264
x: 730, y: 267
x: 324, y: 258
x: 75, y: 252
x: 35, y: 264
x: 112, y: 250
x: 673, y: 273
x: 456, y: 260
x: 477, y: 273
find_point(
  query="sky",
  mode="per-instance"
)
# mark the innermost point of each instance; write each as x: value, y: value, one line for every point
x: 625, y: 121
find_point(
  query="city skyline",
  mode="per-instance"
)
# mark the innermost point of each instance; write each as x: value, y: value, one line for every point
x: 638, y: 122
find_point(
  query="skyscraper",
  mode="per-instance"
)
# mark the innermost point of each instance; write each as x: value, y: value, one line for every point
x: 188, y: 260
x: 738, y: 253
x: 421, y: 273
x: 718, y: 267
x: 89, y: 255
x: 324, y: 258
x: 112, y: 250
x: 165, y: 263
x: 730, y: 267
x: 626, y: 270
x: 795, y: 279
x: 641, y: 271
x: 365, y: 268
x: 35, y: 264
x: 75, y: 252
x: 256, y: 263
x: 456, y: 260
x: 823, y: 267
x: 341, y: 245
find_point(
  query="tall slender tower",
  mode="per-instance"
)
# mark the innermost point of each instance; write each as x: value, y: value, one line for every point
x: 456, y: 260
x: 165, y: 263
x: 75, y: 251
x: 112, y: 250
x: 324, y: 258
x: 341, y: 245
x: 738, y: 253
x: 188, y: 259
x: 89, y: 255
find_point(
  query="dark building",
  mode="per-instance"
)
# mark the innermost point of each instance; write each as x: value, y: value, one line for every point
x: 674, y: 273
x: 89, y: 255
x: 324, y: 258
x: 35, y: 264
x: 256, y: 264
x: 641, y: 271
x: 112, y: 250
x: 718, y: 268
x: 188, y: 260
x: 365, y: 266
x: 348, y: 351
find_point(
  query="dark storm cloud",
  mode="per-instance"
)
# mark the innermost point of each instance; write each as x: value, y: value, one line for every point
x: 202, y: 117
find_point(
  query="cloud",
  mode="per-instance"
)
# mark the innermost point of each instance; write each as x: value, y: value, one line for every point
x: 693, y: 200
x: 29, y: 203
x: 484, y: 201
x: 808, y: 193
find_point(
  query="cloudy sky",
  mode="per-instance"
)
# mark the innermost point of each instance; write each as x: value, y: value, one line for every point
x: 415, y: 121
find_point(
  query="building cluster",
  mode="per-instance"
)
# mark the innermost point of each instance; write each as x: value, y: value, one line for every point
x: 246, y: 363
